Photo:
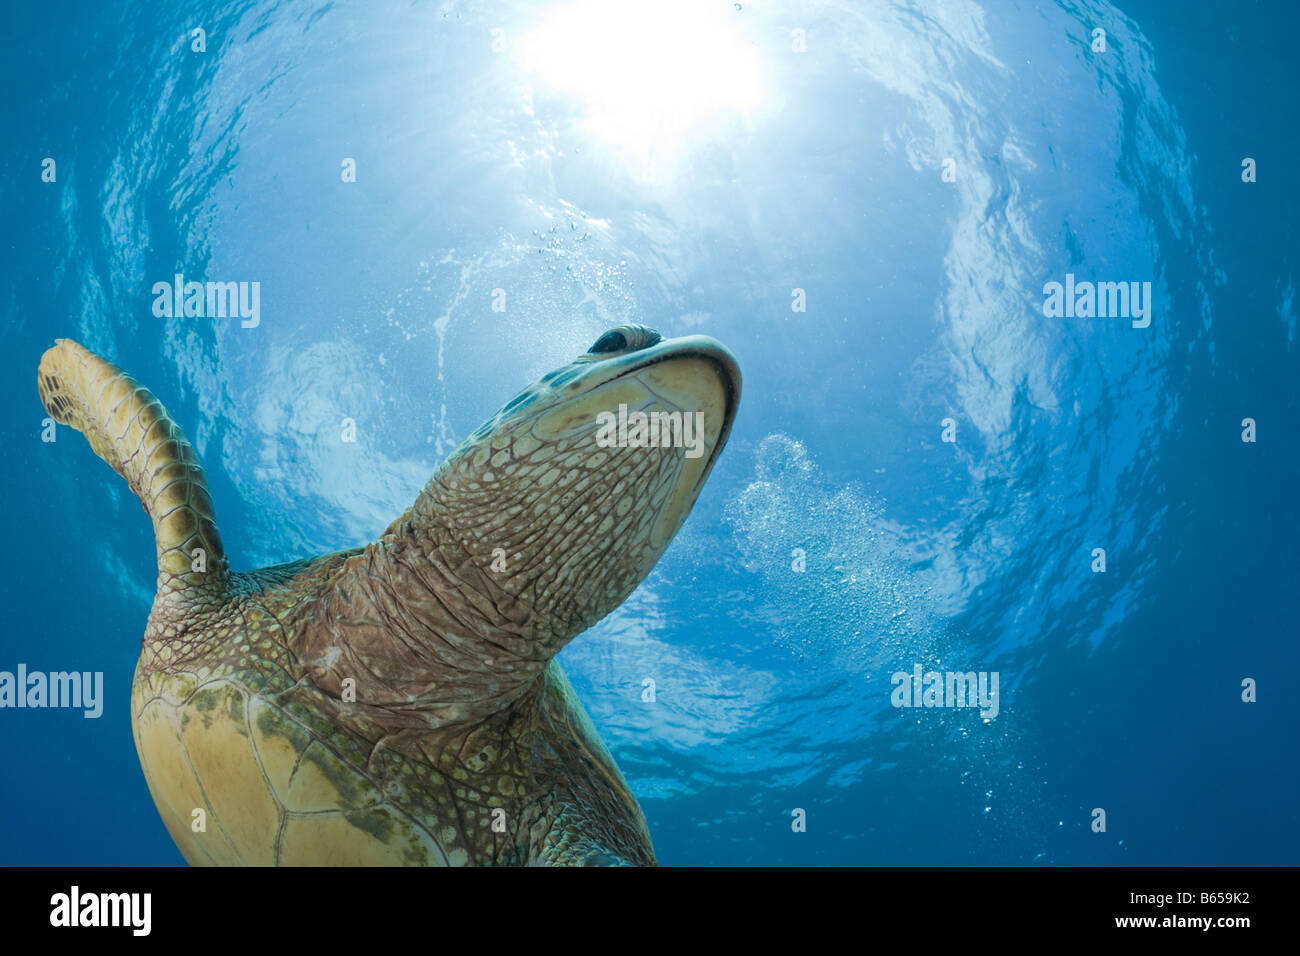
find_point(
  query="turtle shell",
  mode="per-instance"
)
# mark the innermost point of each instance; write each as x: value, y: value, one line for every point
x: 238, y: 781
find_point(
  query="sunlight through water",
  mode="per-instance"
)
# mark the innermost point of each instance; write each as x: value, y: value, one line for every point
x: 652, y: 79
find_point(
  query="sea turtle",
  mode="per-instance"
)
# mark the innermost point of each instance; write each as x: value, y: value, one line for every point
x: 399, y: 703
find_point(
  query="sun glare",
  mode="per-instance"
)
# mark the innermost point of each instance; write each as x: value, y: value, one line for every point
x: 650, y: 78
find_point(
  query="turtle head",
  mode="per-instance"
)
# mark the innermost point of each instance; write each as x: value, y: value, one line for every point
x: 567, y: 496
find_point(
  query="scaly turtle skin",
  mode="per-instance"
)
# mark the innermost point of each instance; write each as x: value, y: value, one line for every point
x: 400, y: 703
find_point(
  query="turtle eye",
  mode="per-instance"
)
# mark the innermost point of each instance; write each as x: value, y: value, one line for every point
x: 611, y: 341
x: 625, y: 338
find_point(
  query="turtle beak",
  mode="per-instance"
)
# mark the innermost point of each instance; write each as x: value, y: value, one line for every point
x: 698, y: 375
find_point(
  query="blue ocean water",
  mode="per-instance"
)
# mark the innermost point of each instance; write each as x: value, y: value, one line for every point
x: 864, y: 201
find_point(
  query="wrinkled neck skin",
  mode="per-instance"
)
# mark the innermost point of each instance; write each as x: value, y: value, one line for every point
x: 427, y: 637
x: 458, y: 608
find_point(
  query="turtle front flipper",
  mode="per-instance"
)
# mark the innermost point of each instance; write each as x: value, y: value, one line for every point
x: 129, y: 428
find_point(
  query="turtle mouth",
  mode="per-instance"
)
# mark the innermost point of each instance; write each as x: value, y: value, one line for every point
x: 692, y: 374
x: 698, y: 380
x: 691, y: 352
